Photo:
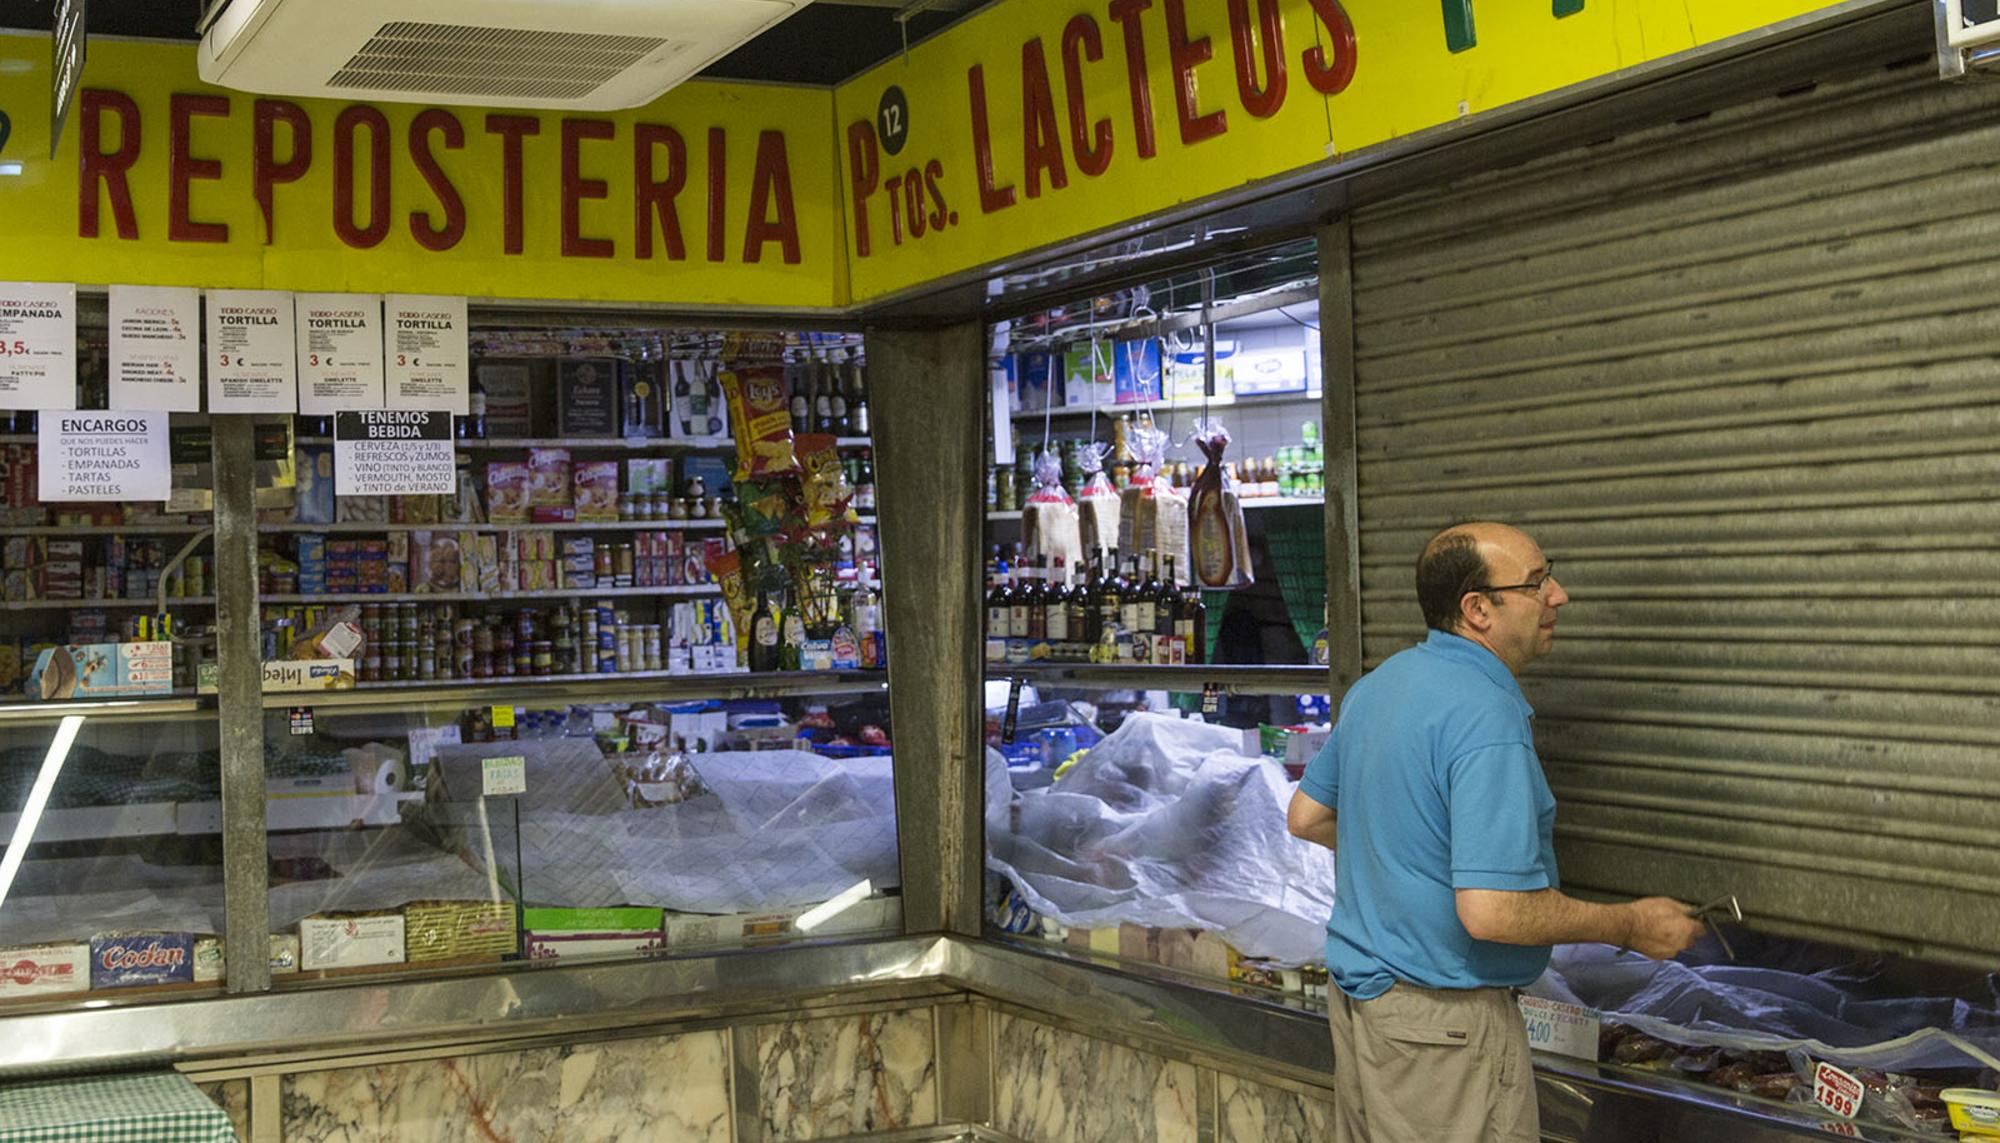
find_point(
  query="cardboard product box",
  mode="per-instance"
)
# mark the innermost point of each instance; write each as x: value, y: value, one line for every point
x: 1136, y: 371
x: 102, y: 670
x: 448, y: 930
x: 312, y: 501
x: 1038, y: 379
x: 584, y: 933
x: 507, y: 499
x: 647, y: 475
x: 641, y: 400
x: 1270, y: 371
x: 361, y: 509
x: 351, y: 940
x: 699, y: 410
x: 44, y: 970
x: 18, y: 553
x: 1089, y: 376
x: 211, y: 958
x: 509, y: 390
x: 125, y: 960
x: 595, y: 490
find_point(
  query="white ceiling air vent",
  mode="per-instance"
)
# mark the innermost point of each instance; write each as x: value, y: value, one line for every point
x: 574, y: 54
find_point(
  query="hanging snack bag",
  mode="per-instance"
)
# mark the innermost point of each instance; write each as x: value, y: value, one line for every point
x: 1097, y: 504
x: 726, y: 565
x: 762, y: 414
x: 825, y: 488
x: 1215, y: 517
x: 1049, y: 522
x: 1152, y: 517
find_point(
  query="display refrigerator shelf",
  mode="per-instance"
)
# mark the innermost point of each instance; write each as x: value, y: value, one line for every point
x: 1253, y: 502
x: 1178, y: 404
x: 86, y: 604
x: 680, y: 590
x: 1232, y: 678
x: 565, y: 689
x: 365, y: 528
x: 106, y: 530
x: 196, y: 819
x: 178, y: 703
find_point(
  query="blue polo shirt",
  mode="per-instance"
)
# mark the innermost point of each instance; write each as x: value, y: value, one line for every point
x: 1432, y: 770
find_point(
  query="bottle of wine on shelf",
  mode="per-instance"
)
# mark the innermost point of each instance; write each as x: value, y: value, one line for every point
x: 763, y: 635
x: 858, y: 404
x: 802, y: 399
x: 1055, y: 606
x: 1193, y: 625
x: 1167, y: 605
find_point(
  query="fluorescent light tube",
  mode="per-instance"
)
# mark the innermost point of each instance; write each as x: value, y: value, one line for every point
x: 38, y: 797
x: 820, y: 914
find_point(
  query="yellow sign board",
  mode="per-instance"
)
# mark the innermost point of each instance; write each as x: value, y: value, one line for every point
x: 716, y: 194
x: 1035, y: 121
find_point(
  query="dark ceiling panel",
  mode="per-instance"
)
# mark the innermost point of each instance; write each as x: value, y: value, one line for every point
x: 822, y: 43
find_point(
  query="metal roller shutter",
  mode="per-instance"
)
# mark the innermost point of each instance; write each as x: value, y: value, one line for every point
x: 1741, y: 378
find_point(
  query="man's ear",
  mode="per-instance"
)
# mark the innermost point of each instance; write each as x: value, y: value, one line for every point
x: 1472, y: 608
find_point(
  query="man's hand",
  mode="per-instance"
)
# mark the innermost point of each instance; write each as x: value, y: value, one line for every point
x: 1661, y: 927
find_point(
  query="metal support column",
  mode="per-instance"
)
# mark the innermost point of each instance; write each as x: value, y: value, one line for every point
x: 240, y: 707
x: 929, y: 391
x: 1343, y: 522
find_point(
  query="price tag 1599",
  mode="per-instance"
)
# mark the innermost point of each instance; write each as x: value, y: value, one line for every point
x: 1836, y: 1091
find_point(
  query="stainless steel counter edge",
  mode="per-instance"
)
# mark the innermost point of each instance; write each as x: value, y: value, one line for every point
x: 1263, y: 1040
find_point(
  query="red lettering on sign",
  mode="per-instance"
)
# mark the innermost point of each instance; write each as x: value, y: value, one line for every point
x: 991, y: 196
x: 1091, y: 142
x: 913, y: 202
x: 266, y: 172
x: 511, y: 129
x: 771, y: 185
x: 351, y: 119
x: 1269, y: 35
x: 894, y: 185
x: 1331, y: 77
x: 654, y: 198
x: 430, y: 235
x: 933, y: 171
x: 109, y: 168
x: 576, y: 188
x: 1126, y: 13
x: 183, y: 167
x: 1041, y: 141
x: 1185, y: 55
x: 718, y: 187
x: 863, y: 169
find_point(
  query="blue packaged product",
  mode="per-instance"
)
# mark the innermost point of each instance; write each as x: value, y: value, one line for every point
x: 123, y: 960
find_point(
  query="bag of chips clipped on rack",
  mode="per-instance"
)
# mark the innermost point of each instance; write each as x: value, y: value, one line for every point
x: 1215, y: 517
x: 762, y: 414
x: 1097, y: 503
x: 1152, y: 514
x: 1049, y: 527
x: 825, y: 489
x: 726, y: 565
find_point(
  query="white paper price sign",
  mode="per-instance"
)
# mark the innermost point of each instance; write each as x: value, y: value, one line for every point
x: 340, y: 352
x: 104, y: 456
x: 507, y: 774
x: 155, y: 348
x: 427, y: 354
x: 1836, y: 1091
x: 37, y: 345
x: 1565, y: 1029
x: 252, y: 356
x: 384, y: 452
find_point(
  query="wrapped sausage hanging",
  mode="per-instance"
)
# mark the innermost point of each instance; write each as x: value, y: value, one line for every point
x: 1215, y: 517
x: 1049, y: 528
x: 1097, y: 504
x: 1152, y: 517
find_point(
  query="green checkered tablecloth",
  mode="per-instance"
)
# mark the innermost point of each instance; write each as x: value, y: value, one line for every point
x: 157, y: 1107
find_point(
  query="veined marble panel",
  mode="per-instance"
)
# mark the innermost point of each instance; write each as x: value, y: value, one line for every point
x: 1253, y: 1112
x: 233, y: 1097
x: 673, y: 1088
x: 1059, y: 1087
x: 846, y: 1075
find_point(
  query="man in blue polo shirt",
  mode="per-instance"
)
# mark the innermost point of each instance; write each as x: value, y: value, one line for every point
x: 1447, y: 898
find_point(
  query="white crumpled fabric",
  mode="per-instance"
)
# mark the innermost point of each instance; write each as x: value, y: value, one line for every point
x: 1167, y: 824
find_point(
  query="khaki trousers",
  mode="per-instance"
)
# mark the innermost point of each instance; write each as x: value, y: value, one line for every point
x: 1425, y: 1065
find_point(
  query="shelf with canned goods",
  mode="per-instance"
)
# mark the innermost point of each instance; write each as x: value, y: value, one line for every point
x: 105, y: 530
x: 666, y: 444
x: 120, y: 603
x: 699, y: 589
x: 1186, y: 403
x: 1248, y: 504
x: 375, y: 528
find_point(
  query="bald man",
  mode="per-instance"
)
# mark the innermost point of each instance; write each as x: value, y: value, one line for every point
x: 1447, y: 897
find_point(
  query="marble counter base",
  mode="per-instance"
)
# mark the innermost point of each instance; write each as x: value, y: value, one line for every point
x: 1060, y: 1087
x: 846, y: 1075
x: 233, y: 1097
x: 1252, y: 1112
x: 673, y: 1088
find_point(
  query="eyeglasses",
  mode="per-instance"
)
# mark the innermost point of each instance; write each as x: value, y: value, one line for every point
x: 1539, y: 587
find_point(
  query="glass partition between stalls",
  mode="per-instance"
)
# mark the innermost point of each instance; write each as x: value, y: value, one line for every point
x: 554, y: 747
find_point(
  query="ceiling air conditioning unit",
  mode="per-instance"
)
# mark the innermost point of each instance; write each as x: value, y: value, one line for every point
x: 596, y: 55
